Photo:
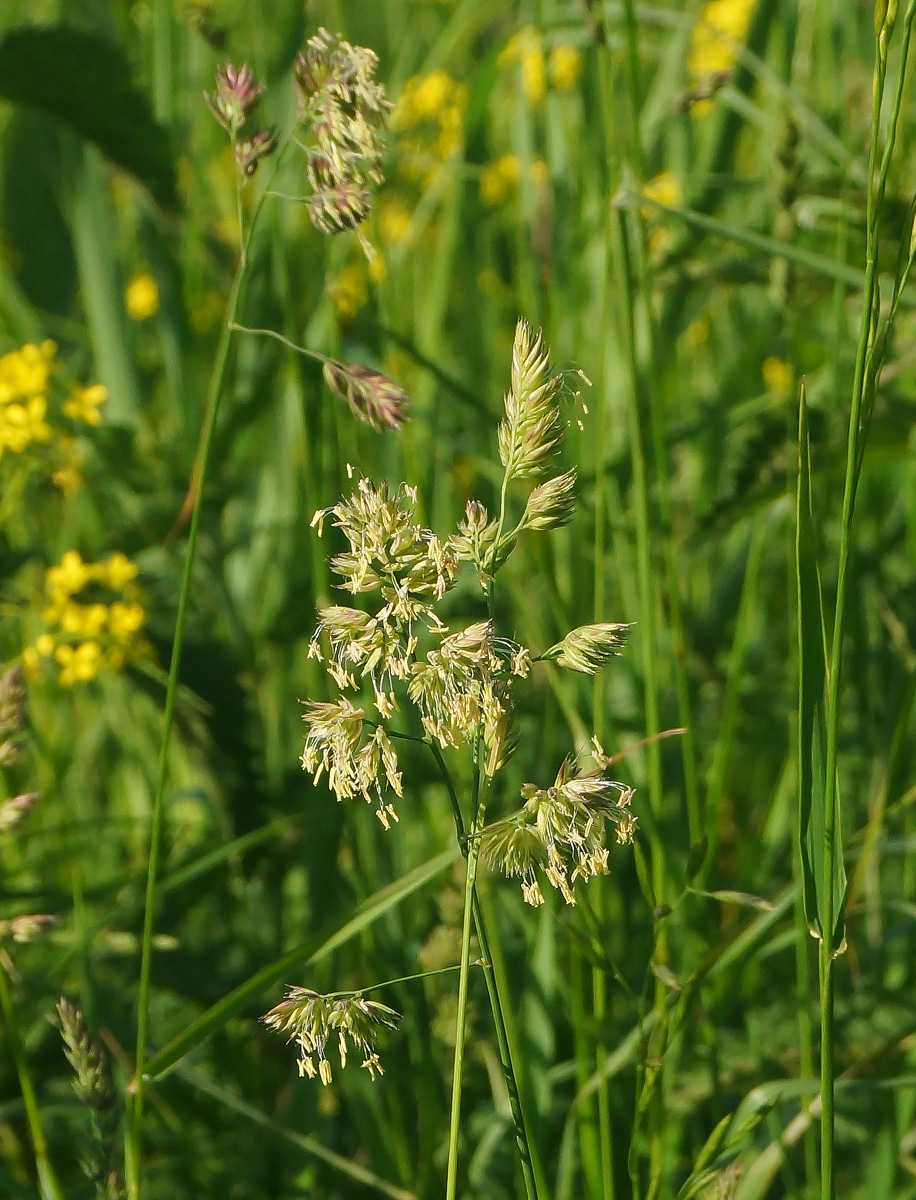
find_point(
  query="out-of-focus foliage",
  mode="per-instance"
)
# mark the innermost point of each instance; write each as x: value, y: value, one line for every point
x: 534, y: 168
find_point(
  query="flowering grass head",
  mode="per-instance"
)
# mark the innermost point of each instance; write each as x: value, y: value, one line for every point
x: 560, y: 831
x: 233, y: 102
x: 372, y: 396
x: 342, y: 112
x: 312, y: 1020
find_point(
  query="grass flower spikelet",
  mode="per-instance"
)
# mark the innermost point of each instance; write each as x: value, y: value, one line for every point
x: 372, y: 396
x: 533, y: 426
x: 560, y: 832
x: 312, y: 1020
x: 344, y: 111
x: 589, y: 647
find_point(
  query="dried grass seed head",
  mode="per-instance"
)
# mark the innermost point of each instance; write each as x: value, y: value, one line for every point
x: 311, y: 1020
x: 358, y: 757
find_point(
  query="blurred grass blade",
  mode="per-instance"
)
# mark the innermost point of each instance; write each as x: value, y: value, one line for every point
x: 353, y: 1170
x: 812, y: 737
x: 309, y: 952
x: 85, y: 83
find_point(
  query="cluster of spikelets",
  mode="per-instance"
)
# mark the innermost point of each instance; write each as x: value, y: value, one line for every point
x: 311, y: 1020
x: 233, y: 104
x: 93, y: 619
x: 98, y: 1142
x: 559, y: 831
x: 458, y: 681
x: 35, y: 411
x: 340, y: 126
x: 343, y: 109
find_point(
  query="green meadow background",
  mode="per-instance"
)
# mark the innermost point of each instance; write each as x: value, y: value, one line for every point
x: 692, y: 245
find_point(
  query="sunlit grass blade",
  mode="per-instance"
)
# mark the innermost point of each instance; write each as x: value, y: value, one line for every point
x: 811, y: 724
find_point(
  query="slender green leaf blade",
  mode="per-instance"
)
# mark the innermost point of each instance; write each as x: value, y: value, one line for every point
x: 85, y: 83
x: 812, y: 736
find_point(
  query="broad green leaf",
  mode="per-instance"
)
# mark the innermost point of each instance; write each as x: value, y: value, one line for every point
x: 86, y: 83
x: 309, y: 952
x: 812, y: 672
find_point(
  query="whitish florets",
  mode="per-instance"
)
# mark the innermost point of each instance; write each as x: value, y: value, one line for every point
x: 310, y: 1020
x: 355, y: 755
x: 560, y: 832
x: 390, y: 551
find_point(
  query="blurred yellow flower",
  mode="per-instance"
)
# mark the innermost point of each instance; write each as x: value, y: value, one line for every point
x: 778, y: 376
x: 142, y: 297
x: 70, y: 576
x: 697, y: 332
x: 663, y: 189
x: 394, y: 221
x: 79, y: 664
x: 526, y: 49
x: 124, y: 620
x: 720, y: 30
x: 21, y: 424
x: 376, y: 268
x: 349, y: 290
x: 499, y: 178
x: 85, y: 635
x: 539, y: 172
x: 565, y: 67
x: 67, y: 477
x: 433, y: 97
x: 432, y: 107
x: 118, y: 570
x: 84, y: 403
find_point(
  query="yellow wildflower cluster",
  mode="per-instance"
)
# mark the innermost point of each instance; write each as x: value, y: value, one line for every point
x: 720, y: 29
x: 93, y: 619
x: 27, y: 387
x: 430, y: 119
x: 563, y: 65
x: 141, y: 298
x: 662, y: 189
x: 23, y: 396
x: 500, y: 178
x: 778, y: 376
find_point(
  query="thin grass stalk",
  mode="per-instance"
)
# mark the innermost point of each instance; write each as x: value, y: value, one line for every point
x: 656, y: 409
x: 48, y: 1187
x: 599, y: 991
x: 865, y: 363
x: 529, y: 1160
x: 473, y: 854
x: 133, y: 1153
